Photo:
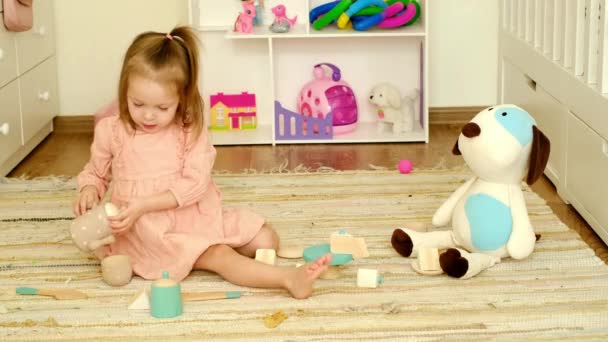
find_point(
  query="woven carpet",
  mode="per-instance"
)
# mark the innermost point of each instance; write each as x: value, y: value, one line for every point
x: 559, y: 292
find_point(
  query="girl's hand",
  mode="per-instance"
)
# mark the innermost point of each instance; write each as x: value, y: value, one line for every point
x: 127, y: 216
x: 88, y: 198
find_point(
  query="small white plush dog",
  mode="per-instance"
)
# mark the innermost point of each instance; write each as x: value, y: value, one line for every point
x: 396, y: 113
x: 488, y: 213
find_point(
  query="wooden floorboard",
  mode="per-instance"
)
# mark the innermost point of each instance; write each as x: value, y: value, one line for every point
x: 64, y: 153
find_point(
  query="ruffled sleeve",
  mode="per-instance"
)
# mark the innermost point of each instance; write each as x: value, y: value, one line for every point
x: 97, y: 171
x: 196, y: 172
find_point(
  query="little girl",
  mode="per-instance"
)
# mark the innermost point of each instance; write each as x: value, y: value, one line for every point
x: 158, y: 153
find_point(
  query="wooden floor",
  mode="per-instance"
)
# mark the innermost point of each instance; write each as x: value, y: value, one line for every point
x: 66, y: 154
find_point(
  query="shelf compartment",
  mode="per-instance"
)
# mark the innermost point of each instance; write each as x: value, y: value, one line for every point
x: 260, y: 135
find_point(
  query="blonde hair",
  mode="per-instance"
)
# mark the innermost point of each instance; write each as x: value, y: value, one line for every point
x: 166, y: 58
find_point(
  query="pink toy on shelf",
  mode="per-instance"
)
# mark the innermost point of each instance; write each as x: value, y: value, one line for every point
x: 280, y: 17
x: 244, y: 22
x: 233, y: 111
x: 329, y: 95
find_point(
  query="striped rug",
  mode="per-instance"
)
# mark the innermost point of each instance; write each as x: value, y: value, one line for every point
x: 560, y: 292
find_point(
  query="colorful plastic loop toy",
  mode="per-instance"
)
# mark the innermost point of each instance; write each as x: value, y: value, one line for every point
x: 417, y: 15
x: 344, y: 18
x: 377, y: 10
x: 401, y: 19
x: 364, y: 14
x: 367, y: 22
x: 332, y: 15
x: 318, y: 11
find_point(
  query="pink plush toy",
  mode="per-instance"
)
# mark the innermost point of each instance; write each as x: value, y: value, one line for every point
x: 244, y: 22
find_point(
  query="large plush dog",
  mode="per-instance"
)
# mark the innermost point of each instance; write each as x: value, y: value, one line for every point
x: 502, y: 146
x: 395, y: 113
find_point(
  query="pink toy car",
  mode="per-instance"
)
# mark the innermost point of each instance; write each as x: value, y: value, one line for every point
x: 329, y: 95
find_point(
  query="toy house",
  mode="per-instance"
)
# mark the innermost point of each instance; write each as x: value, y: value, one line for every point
x: 233, y: 111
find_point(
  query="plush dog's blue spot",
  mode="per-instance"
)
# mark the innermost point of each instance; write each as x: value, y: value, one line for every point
x: 518, y: 122
x: 489, y: 220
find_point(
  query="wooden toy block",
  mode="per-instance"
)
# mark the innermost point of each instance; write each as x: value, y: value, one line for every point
x: 341, y: 244
x: 360, y: 249
x: 141, y: 300
x: 346, y: 244
x: 267, y: 256
x: 290, y: 252
x: 428, y: 259
x: 367, y: 278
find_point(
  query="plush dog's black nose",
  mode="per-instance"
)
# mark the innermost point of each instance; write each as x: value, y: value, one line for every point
x: 471, y: 130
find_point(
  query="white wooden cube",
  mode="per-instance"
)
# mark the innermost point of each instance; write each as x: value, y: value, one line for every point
x: 367, y: 278
x: 141, y: 300
x: 428, y: 259
x: 267, y: 256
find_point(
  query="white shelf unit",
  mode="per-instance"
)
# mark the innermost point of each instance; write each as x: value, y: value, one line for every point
x: 275, y: 66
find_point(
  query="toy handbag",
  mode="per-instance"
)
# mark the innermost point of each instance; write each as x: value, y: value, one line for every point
x: 18, y: 16
x: 329, y: 94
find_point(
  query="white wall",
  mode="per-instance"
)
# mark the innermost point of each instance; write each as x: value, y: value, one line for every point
x: 92, y: 36
x: 463, y: 59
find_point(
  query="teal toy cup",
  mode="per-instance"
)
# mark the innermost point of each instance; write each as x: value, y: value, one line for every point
x: 166, y: 298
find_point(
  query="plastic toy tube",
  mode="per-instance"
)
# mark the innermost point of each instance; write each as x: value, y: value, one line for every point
x: 418, y: 11
x: 377, y: 10
x: 356, y: 7
x: 366, y: 23
x: 400, y: 20
x: 318, y: 11
x: 369, y: 11
x: 332, y: 15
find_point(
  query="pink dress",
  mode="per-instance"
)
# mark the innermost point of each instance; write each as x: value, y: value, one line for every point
x: 143, y: 164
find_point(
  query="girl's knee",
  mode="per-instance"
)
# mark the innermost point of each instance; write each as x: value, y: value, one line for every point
x: 217, y: 251
x: 212, y: 258
x: 268, y: 237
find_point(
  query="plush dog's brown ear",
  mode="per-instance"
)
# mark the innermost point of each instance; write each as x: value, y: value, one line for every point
x: 539, y: 155
x: 456, y: 149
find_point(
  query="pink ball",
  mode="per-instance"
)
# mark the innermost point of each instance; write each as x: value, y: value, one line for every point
x: 405, y: 166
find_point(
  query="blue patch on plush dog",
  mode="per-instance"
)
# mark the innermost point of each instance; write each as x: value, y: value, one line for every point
x: 490, y: 222
x: 517, y: 122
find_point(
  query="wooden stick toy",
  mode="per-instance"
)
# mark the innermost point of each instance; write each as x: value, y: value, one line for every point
x: 61, y: 294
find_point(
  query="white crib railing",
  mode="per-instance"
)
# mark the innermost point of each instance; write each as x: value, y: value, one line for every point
x: 572, y: 33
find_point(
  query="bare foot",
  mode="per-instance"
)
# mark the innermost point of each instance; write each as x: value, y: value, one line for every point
x: 300, y: 282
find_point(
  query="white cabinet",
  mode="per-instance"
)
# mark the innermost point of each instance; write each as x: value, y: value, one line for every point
x: 28, y: 87
x: 587, y: 169
x: 39, y: 100
x: 572, y: 113
x: 37, y: 44
x: 275, y: 66
x: 8, y: 57
x: 10, y: 121
x: 550, y: 116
